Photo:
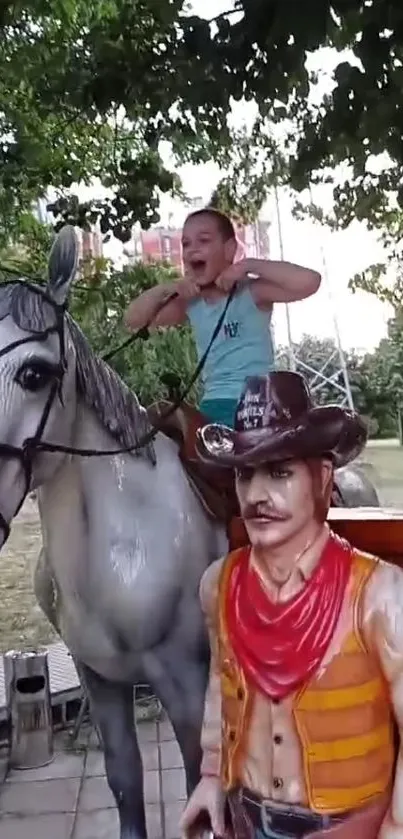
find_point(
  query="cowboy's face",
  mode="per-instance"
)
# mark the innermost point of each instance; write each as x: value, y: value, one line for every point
x: 278, y: 502
x: 205, y: 252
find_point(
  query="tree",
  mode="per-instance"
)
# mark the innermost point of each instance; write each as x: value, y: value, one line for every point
x: 60, y: 118
x: 154, y: 368
x: 93, y: 89
x: 377, y: 389
x: 375, y: 379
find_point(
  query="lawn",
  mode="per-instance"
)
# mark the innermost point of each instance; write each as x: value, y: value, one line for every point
x: 383, y: 464
x: 22, y: 623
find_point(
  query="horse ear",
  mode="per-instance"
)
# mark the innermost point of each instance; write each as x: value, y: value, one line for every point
x: 62, y: 264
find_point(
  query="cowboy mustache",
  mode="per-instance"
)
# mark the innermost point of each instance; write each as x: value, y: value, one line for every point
x: 262, y: 511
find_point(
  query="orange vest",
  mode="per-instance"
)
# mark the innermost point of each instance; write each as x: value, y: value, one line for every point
x: 343, y: 715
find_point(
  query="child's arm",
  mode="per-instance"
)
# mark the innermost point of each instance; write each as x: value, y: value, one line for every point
x: 281, y: 282
x: 273, y: 282
x: 146, y: 308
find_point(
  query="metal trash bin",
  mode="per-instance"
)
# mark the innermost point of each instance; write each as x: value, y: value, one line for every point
x: 26, y: 676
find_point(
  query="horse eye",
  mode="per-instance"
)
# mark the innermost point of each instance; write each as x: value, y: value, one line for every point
x: 36, y: 375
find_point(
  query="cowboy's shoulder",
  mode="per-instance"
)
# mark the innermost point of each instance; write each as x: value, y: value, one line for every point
x: 384, y: 588
x: 212, y: 579
x: 208, y: 590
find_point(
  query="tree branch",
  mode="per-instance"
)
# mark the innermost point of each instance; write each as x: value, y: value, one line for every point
x: 224, y: 15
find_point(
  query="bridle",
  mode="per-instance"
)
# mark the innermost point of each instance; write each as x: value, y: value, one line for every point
x: 31, y: 446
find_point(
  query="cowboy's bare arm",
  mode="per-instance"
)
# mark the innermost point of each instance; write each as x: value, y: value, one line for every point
x: 208, y: 795
x: 384, y: 618
x: 281, y: 282
x: 147, y: 309
x: 211, y: 731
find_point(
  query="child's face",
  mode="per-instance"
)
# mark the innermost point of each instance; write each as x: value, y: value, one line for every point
x: 205, y: 253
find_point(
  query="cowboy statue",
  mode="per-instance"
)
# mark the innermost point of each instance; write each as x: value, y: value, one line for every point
x: 306, y: 676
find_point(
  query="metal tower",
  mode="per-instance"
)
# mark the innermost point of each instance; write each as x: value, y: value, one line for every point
x: 318, y: 378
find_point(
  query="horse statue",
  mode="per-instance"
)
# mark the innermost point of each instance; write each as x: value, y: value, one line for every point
x: 126, y: 538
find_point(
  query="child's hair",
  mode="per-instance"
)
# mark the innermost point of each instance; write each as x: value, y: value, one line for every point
x: 224, y: 223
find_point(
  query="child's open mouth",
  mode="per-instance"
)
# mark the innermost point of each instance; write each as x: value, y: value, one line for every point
x: 198, y: 266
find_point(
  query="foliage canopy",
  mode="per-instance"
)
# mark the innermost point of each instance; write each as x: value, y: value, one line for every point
x: 93, y: 90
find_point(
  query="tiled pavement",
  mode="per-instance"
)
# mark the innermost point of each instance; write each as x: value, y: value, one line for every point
x: 70, y: 799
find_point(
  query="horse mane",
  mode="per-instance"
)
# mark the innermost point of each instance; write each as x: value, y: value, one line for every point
x: 100, y: 387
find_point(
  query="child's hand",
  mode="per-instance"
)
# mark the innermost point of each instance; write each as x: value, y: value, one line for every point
x: 186, y: 289
x: 233, y: 275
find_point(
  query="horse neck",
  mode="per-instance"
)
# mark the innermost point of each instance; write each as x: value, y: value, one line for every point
x: 110, y: 486
x: 123, y: 528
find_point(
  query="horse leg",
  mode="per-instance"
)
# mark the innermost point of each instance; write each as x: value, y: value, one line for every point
x: 180, y: 683
x: 113, y: 711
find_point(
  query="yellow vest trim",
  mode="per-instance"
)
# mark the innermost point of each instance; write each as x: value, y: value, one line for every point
x: 351, y: 747
x: 230, y: 752
x: 334, y: 700
x: 339, y: 800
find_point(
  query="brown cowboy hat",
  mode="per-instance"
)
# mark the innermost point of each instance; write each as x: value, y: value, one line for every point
x: 276, y: 420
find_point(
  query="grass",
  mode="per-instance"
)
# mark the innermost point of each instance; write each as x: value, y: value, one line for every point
x: 22, y: 623
x: 383, y: 463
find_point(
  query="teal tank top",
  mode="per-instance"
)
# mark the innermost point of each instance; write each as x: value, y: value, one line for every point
x: 242, y: 348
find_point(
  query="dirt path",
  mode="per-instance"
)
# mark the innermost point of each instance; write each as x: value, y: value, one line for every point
x: 22, y: 623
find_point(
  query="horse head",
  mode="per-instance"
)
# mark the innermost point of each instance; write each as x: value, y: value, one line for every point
x: 37, y: 376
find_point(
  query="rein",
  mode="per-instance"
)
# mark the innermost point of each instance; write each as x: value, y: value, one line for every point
x: 35, y: 444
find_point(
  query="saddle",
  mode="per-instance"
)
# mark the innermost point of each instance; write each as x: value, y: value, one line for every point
x: 214, y: 486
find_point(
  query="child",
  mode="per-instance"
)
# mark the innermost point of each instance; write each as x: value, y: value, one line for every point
x: 243, y: 346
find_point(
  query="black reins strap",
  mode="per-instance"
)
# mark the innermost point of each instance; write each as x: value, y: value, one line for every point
x: 26, y: 452
x: 35, y: 444
x: 143, y: 333
x: 42, y: 445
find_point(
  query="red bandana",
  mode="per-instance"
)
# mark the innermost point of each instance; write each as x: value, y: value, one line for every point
x: 280, y: 645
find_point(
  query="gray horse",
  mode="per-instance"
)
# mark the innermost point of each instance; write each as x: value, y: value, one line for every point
x: 125, y: 540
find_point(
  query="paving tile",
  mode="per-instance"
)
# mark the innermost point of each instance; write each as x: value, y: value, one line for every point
x: 153, y: 818
x: 104, y: 824
x: 173, y: 785
x: 95, y: 764
x: 152, y: 787
x: 95, y: 795
x: 173, y: 811
x: 150, y: 756
x: 171, y: 757
x: 165, y: 731
x: 64, y: 765
x: 56, y: 796
x: 99, y: 824
x: 51, y: 826
x: 147, y: 732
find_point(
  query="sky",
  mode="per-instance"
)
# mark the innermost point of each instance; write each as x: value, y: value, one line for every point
x: 360, y: 318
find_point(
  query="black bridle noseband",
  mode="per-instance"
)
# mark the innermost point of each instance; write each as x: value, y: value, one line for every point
x: 33, y: 445
x: 26, y: 452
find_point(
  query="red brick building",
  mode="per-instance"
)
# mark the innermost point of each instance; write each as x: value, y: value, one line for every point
x: 90, y: 243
